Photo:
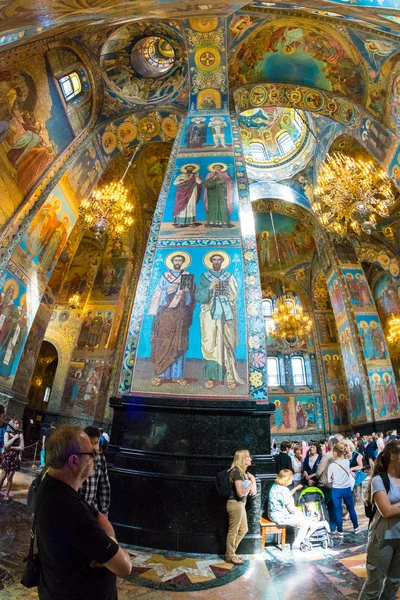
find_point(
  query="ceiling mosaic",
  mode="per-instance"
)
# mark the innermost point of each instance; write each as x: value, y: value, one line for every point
x: 300, y: 52
x: 277, y: 142
x: 140, y: 68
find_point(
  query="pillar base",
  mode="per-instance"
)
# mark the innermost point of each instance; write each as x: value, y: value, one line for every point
x: 163, y: 458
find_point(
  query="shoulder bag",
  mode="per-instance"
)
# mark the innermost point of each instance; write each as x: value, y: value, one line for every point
x: 31, y: 574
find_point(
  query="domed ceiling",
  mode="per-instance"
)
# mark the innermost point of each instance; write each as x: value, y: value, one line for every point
x: 277, y: 142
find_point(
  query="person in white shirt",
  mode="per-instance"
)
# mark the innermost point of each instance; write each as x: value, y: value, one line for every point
x: 380, y: 442
x: 339, y: 476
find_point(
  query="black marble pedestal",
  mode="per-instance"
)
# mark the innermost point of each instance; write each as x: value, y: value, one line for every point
x: 163, y: 457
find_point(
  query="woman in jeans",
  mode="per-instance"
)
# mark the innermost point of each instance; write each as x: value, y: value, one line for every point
x: 383, y: 549
x: 243, y: 484
x: 282, y: 511
x: 339, y: 477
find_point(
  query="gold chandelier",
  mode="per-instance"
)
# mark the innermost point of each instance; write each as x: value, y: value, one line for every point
x: 350, y: 193
x: 74, y: 301
x: 394, y: 331
x: 290, y: 322
x: 108, y: 210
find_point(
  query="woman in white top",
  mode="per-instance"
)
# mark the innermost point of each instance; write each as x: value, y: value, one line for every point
x: 11, y: 456
x: 339, y: 477
x: 297, y: 464
x: 383, y: 549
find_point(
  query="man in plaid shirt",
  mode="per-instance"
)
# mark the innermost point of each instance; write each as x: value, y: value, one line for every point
x: 96, y: 488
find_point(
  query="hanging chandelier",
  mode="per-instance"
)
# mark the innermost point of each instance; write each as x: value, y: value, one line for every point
x: 74, y: 301
x: 108, y: 210
x: 350, y: 193
x: 394, y: 331
x: 290, y: 324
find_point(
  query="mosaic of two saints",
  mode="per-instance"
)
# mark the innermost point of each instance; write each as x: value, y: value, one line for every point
x: 172, y: 306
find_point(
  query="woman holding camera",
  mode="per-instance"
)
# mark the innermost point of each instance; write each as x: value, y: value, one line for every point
x: 243, y: 484
x: 383, y: 549
x: 11, y: 456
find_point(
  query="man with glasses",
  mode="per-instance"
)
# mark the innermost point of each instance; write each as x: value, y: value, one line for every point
x: 79, y: 554
x: 96, y: 488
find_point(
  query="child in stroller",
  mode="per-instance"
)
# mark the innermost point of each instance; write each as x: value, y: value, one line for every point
x: 312, y: 504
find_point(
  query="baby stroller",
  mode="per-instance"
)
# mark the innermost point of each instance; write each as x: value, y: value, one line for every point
x: 312, y: 504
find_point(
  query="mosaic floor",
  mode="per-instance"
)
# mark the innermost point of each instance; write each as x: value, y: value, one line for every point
x: 333, y: 574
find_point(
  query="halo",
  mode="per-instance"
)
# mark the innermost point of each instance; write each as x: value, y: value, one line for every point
x: 196, y: 167
x: 373, y: 324
x: 375, y: 377
x: 210, y: 167
x: 277, y: 402
x: 265, y: 234
x: 186, y: 263
x: 66, y: 215
x: 383, y: 376
x: 14, y: 284
x: 207, y: 257
x: 54, y: 200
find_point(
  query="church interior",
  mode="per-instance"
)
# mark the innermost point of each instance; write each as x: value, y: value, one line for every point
x: 199, y: 252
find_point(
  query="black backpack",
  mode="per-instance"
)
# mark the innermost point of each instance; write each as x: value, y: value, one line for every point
x: 370, y: 509
x: 222, y: 484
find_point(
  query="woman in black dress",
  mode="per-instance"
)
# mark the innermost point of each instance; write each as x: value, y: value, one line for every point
x: 11, y: 455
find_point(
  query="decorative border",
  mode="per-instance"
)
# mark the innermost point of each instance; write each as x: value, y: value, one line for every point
x: 256, y: 344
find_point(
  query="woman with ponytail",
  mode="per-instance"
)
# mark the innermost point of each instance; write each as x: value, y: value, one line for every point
x: 341, y: 480
x: 383, y: 549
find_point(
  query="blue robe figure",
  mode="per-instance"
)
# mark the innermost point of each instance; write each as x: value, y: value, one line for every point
x: 278, y: 414
x: 366, y: 338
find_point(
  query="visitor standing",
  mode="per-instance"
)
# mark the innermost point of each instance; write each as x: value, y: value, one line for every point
x: 380, y: 442
x: 311, y: 463
x: 383, y: 549
x: 79, y: 555
x: 283, y: 460
x: 11, y: 456
x: 242, y: 485
x: 340, y: 478
x: 2, y: 426
x: 47, y: 435
x: 322, y: 476
x: 297, y: 464
x: 96, y: 488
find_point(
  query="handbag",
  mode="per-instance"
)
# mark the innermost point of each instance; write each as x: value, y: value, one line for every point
x: 360, y: 477
x: 31, y: 574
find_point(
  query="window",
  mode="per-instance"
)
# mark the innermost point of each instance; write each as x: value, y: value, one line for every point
x: 298, y: 371
x: 47, y: 394
x: 273, y: 371
x: 267, y: 307
x: 285, y: 143
x: 258, y: 153
x: 70, y: 85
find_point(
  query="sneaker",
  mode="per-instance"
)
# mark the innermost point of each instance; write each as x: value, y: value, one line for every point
x: 340, y: 534
x: 357, y: 530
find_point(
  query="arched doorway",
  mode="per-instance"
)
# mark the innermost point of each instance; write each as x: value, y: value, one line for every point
x: 39, y: 391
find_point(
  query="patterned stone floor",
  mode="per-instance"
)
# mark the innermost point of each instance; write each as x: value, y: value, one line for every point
x: 333, y: 574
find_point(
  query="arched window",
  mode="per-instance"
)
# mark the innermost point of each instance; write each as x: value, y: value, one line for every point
x: 267, y: 307
x: 273, y: 371
x: 298, y: 370
x: 71, y: 85
x: 258, y: 153
x: 285, y: 143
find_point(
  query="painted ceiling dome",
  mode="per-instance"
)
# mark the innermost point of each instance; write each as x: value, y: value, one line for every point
x: 277, y: 142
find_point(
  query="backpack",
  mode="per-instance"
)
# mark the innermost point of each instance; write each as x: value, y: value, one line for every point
x: 222, y: 484
x: 370, y: 509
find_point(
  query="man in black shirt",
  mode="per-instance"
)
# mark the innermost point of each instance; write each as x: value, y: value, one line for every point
x: 79, y: 554
x: 283, y: 460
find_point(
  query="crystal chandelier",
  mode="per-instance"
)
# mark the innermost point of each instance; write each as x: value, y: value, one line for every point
x: 290, y: 324
x: 394, y: 331
x: 108, y: 210
x: 350, y: 193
